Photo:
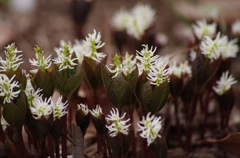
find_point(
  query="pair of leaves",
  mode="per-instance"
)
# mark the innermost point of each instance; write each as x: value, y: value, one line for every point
x: 42, y: 80
x: 153, y: 99
x: 92, y: 73
x: 159, y: 148
x: 120, y: 88
x: 15, y: 114
x: 66, y: 86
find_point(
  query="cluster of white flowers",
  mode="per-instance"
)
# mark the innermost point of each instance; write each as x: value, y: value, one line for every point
x: 150, y: 127
x: 97, y: 111
x: 220, y: 46
x: 236, y: 28
x: 12, y: 61
x: 83, y: 108
x: 158, y: 73
x: 64, y: 59
x: 89, y: 47
x: 40, y: 107
x: 147, y: 58
x: 224, y: 84
x: 117, y: 123
x: 203, y: 29
x: 180, y: 69
x: 7, y: 87
x: 126, y: 66
x: 40, y: 62
x: 134, y: 22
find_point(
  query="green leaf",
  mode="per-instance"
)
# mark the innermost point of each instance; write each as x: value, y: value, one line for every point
x: 118, y: 91
x: 146, y: 97
x: 15, y: 114
x: 42, y: 80
x: 56, y: 129
x: 159, y: 148
x: 105, y: 75
x: 74, y: 81
x: 57, y: 80
x: 161, y: 94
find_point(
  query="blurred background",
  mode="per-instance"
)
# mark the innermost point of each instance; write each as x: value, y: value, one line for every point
x: 45, y: 23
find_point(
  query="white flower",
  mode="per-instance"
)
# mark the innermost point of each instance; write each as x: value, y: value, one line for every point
x: 203, y: 29
x: 150, y: 128
x: 142, y: 16
x: 41, y: 108
x: 64, y: 59
x: 97, y: 111
x: 117, y: 123
x: 231, y: 49
x: 59, y: 108
x: 12, y: 59
x: 224, y: 84
x: 147, y: 58
x: 128, y: 64
x: 180, y: 69
x: 236, y: 27
x: 93, y: 42
x: 158, y: 73
x: 40, y: 62
x: 31, y: 93
x: 4, y: 124
x: 84, y: 108
x: 120, y: 20
x: 117, y: 66
x: 212, y: 48
x: 192, y: 55
x: 7, y: 88
x: 80, y: 48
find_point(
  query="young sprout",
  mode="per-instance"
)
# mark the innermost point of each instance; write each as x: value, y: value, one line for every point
x: 59, y: 108
x: 117, y: 123
x: 84, y: 108
x: 224, y: 84
x: 149, y: 128
x: 13, y: 60
x: 64, y: 59
x: 97, y: 111
x: 93, y: 43
x: 7, y: 88
x: 203, y: 29
x: 40, y: 62
x: 147, y: 58
x: 212, y: 48
x: 41, y: 108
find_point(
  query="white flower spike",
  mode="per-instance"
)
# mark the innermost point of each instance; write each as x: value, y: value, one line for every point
x: 224, y: 84
x: 236, y: 28
x: 64, y: 59
x: 120, y: 20
x: 40, y: 62
x: 117, y: 123
x: 97, y: 111
x: 203, y: 29
x: 59, y: 108
x: 7, y: 88
x: 149, y: 128
x: 147, y: 58
x: 41, y: 108
x: 84, y: 108
x: 12, y: 61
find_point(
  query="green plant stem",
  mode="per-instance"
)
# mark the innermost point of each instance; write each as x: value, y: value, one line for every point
x: 50, y: 146
x: 176, y: 108
x: 57, y: 149
x: 132, y: 133
x: 64, y: 137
